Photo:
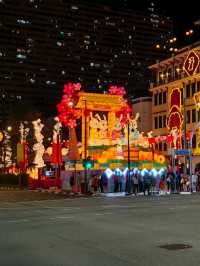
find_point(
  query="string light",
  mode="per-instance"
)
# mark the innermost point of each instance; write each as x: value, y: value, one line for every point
x: 38, y: 147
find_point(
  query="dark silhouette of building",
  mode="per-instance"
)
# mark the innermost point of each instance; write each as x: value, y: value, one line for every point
x: 44, y: 44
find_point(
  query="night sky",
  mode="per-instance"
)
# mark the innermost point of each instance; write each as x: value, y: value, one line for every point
x: 183, y: 13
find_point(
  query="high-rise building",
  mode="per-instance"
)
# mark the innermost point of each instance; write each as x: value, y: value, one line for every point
x: 44, y: 44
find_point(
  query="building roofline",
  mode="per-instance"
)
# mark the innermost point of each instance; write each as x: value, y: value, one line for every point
x: 181, y: 52
x: 142, y: 99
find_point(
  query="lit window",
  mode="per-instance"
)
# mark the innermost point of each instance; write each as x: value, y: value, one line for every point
x: 32, y: 80
x: 74, y: 7
x: 86, y: 42
x: 21, y: 56
x: 110, y: 23
x: 23, y: 21
x: 59, y: 44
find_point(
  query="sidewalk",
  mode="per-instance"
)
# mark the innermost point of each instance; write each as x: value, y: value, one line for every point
x: 27, y: 195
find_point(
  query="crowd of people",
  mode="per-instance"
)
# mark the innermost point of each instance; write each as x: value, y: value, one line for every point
x: 135, y: 182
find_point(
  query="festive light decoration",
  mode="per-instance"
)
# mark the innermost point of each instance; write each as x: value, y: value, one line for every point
x: 191, y: 63
x: 22, y: 148
x: 38, y: 147
x: 68, y: 114
x: 175, y: 117
x: 196, y: 98
x: 117, y: 90
x: 56, y: 146
x: 125, y: 111
x: 124, y: 115
x: 23, y: 130
x: 6, y: 157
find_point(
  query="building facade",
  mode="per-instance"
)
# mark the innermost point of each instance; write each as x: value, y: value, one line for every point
x: 174, y: 102
x: 44, y: 44
x: 143, y: 106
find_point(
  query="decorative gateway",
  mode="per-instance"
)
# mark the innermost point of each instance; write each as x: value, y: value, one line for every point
x: 105, y: 122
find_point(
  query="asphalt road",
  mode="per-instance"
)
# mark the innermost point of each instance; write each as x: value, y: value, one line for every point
x: 100, y: 231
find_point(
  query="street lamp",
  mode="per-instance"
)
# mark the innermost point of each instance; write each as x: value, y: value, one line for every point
x: 58, y: 128
x: 85, y: 145
x: 9, y: 128
x: 129, y: 162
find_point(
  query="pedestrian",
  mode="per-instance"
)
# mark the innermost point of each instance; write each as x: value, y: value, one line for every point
x: 95, y: 182
x: 198, y: 182
x: 162, y: 185
x: 116, y: 182
x: 141, y: 183
x: 168, y: 182
x: 103, y: 182
x: 147, y: 183
x: 83, y: 188
x: 72, y: 181
x: 135, y: 184
x: 178, y: 181
x: 120, y: 182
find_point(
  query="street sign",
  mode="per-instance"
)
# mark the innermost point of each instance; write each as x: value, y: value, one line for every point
x: 183, y: 152
x: 191, y: 63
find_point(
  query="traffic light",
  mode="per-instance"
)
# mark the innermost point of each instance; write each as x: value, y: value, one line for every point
x: 88, y: 163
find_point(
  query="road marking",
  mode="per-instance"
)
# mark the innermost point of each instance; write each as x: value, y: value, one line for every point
x: 61, y: 217
x: 104, y: 213
x: 18, y: 221
x: 71, y: 208
x: 119, y: 206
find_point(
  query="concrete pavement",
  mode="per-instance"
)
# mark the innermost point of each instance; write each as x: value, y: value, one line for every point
x: 100, y: 231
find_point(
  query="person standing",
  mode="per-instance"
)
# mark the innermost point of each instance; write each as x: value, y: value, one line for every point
x: 135, y: 184
x: 116, y: 182
x: 147, y: 183
x: 120, y: 182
